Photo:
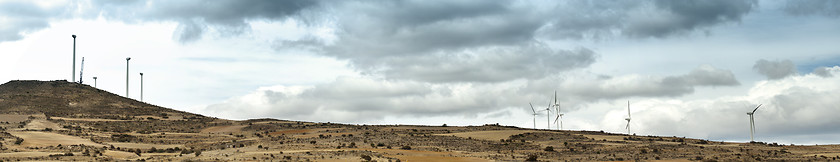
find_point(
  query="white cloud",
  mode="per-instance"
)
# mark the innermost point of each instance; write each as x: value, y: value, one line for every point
x: 792, y: 107
x: 365, y: 99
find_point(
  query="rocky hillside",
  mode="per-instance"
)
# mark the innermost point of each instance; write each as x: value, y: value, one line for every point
x: 67, y: 99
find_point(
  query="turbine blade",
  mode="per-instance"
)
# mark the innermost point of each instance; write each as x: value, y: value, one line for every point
x: 555, y: 96
x: 756, y: 108
x: 628, y: 109
x: 549, y: 104
x: 557, y: 118
x: 628, y: 125
x: 532, y: 108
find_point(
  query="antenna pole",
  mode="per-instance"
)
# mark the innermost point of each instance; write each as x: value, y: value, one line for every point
x: 126, y: 76
x: 74, y: 59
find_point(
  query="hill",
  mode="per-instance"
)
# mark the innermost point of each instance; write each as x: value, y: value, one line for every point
x: 67, y: 99
x: 60, y: 120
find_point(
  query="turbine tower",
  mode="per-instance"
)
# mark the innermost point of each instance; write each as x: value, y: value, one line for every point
x: 126, y: 76
x: 628, y: 118
x: 74, y: 59
x: 141, y: 87
x: 535, y: 114
x: 548, y: 115
x: 94, y: 82
x: 559, y: 115
x: 752, y: 123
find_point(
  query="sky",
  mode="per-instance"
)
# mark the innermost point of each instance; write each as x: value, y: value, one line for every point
x: 687, y: 68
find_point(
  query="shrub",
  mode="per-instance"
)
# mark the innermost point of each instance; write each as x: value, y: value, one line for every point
x: 531, y: 158
x: 549, y: 149
x: 406, y: 147
x: 366, y: 157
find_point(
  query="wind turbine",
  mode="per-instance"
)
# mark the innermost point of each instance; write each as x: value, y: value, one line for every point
x: 752, y: 122
x: 559, y: 115
x: 548, y: 115
x: 94, y: 82
x: 535, y: 114
x: 628, y: 118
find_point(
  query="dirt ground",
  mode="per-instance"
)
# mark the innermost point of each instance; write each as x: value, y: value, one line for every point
x: 91, y: 140
x: 41, y: 124
x: 488, y: 135
x: 223, y: 129
x: 44, y: 139
x: 13, y: 118
x: 143, y: 145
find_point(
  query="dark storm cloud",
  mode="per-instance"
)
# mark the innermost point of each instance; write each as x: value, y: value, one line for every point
x: 195, y: 16
x: 775, y: 69
x: 447, y: 41
x: 20, y: 17
x: 643, y: 19
x: 682, y: 16
x: 829, y: 8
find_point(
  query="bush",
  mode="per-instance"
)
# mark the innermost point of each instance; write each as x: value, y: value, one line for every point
x: 366, y: 157
x: 531, y: 158
x: 197, y: 153
x: 549, y: 149
x: 406, y: 147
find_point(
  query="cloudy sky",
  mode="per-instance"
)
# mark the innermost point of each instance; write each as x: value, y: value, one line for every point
x: 688, y: 68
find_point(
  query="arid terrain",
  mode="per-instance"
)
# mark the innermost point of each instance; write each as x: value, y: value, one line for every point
x: 59, y: 120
